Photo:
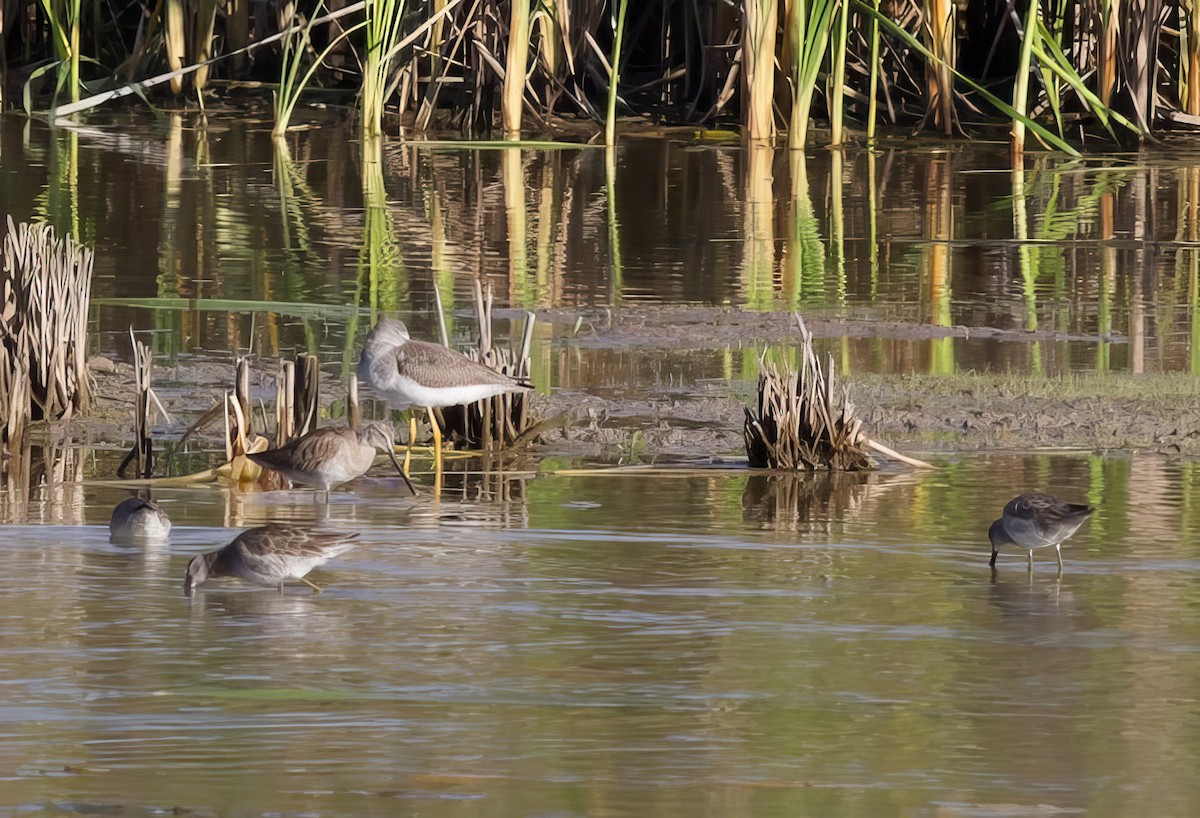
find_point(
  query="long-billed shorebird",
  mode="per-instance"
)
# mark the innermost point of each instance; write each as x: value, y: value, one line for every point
x: 269, y: 555
x: 408, y: 373
x: 138, y: 518
x: 328, y: 457
x: 1035, y: 521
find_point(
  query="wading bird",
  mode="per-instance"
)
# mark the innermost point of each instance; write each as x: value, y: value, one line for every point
x: 269, y: 555
x: 408, y: 373
x: 328, y: 457
x: 1035, y: 521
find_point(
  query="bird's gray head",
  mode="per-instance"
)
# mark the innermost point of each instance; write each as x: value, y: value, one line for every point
x: 197, y: 572
x: 378, y: 434
x: 998, y: 535
x: 389, y: 332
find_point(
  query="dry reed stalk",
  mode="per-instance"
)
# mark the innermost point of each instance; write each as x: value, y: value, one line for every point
x: 175, y: 41
x: 240, y: 439
x: 939, y: 75
x: 759, y: 24
x: 144, y: 400
x: 45, y: 286
x: 496, y: 423
x: 802, y: 422
x: 297, y: 398
x: 285, y: 388
x: 512, y: 100
x: 353, y: 409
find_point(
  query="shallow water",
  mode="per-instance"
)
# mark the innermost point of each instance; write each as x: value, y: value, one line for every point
x: 206, y: 234
x: 541, y: 644
x: 617, y: 645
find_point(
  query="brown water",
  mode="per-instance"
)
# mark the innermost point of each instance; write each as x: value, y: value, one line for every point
x: 201, y: 221
x: 618, y: 646
x: 541, y: 644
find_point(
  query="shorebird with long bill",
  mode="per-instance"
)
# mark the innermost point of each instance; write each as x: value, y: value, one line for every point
x: 409, y: 373
x: 332, y: 455
x: 1032, y: 521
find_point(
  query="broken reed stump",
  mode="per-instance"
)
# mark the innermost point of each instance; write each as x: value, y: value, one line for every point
x: 297, y: 398
x: 802, y: 422
x: 144, y: 398
x: 500, y: 422
x: 46, y: 287
x: 240, y: 438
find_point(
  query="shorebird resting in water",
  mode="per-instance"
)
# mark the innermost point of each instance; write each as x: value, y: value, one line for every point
x: 1034, y: 521
x: 269, y: 555
x: 408, y: 373
x: 138, y: 518
x: 328, y: 457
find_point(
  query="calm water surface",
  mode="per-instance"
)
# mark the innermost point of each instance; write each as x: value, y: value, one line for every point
x: 618, y: 645
x: 540, y: 644
x: 206, y: 233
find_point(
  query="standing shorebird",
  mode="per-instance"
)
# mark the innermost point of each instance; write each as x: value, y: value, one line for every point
x: 409, y: 373
x: 1034, y: 521
x: 138, y: 518
x: 328, y: 457
x: 269, y: 555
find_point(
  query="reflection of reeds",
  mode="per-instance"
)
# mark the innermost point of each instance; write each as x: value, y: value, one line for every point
x: 46, y: 284
x: 790, y: 502
x: 801, y: 422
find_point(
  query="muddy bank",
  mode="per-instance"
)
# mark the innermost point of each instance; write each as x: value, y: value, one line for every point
x: 1159, y: 413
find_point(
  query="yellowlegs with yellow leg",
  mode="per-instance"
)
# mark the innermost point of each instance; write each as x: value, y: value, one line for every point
x: 269, y: 555
x: 328, y: 457
x: 408, y: 373
x: 1035, y: 521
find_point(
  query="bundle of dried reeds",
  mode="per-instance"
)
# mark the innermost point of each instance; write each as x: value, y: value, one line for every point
x: 297, y: 395
x: 502, y: 421
x: 144, y: 400
x: 802, y: 421
x: 46, y: 286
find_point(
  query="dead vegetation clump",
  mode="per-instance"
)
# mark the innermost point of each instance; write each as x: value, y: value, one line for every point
x: 803, y: 423
x: 46, y: 287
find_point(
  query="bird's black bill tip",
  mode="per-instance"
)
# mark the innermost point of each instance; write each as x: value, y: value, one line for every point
x: 395, y: 462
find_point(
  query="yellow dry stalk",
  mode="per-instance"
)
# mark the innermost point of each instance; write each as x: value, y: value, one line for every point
x: 513, y: 99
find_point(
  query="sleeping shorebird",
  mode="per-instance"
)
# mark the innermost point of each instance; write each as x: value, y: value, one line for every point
x: 328, y: 457
x: 409, y: 373
x: 269, y: 555
x: 1034, y: 521
x: 138, y: 518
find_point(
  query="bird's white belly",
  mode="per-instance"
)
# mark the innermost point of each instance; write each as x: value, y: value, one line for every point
x: 404, y: 392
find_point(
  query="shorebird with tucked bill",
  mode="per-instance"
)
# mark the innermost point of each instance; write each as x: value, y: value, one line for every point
x: 1032, y: 521
x: 409, y: 373
x: 330, y: 456
x: 269, y: 555
x: 138, y: 518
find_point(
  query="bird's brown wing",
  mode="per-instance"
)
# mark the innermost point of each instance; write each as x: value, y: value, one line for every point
x: 269, y: 548
x: 436, y: 366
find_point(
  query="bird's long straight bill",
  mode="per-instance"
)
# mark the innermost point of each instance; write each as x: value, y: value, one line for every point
x: 391, y: 451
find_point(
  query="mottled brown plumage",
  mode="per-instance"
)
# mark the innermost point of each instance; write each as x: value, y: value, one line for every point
x: 328, y: 457
x: 269, y: 555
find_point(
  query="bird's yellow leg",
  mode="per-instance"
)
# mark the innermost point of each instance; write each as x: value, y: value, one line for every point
x: 437, y: 441
x: 316, y: 588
